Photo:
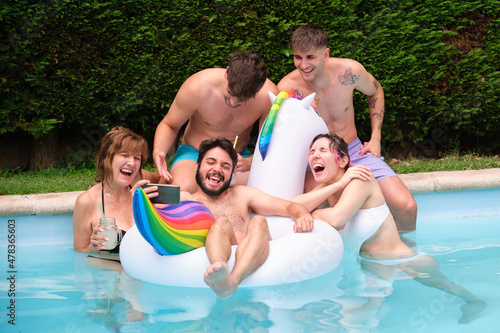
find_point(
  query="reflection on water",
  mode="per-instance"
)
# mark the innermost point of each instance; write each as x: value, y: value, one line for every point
x: 232, y: 315
x: 367, y: 284
x: 351, y: 298
x: 116, y: 301
x: 110, y: 296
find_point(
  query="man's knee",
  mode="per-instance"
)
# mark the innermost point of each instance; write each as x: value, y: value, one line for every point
x: 405, y: 216
x: 411, y: 207
x: 220, y: 225
x: 407, y: 206
x: 221, y: 221
x: 257, y: 224
x: 401, y: 202
x: 258, y: 221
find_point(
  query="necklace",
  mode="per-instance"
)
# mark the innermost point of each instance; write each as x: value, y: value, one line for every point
x: 115, y: 199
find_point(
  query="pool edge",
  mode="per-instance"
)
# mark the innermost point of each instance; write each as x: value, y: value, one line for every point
x: 421, y: 182
x: 441, y: 181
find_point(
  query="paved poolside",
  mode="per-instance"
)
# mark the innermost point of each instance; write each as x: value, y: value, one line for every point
x: 64, y: 203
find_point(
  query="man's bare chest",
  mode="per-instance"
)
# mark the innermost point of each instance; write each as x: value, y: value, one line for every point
x: 226, y: 208
x: 335, y: 96
x: 334, y: 107
x: 333, y: 104
x: 227, y: 118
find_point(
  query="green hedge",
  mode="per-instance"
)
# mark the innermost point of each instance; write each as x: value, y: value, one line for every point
x: 69, y: 64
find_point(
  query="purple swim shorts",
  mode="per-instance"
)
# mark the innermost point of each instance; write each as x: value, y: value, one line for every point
x: 379, y: 168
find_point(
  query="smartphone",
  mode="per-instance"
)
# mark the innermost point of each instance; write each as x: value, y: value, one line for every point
x: 167, y: 194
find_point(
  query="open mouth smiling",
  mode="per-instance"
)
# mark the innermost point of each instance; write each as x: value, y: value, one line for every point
x: 215, y: 178
x: 308, y: 70
x: 318, y: 168
x: 126, y: 172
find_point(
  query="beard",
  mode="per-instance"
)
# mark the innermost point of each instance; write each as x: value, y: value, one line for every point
x: 210, y: 192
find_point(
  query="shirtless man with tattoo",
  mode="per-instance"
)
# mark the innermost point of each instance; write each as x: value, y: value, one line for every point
x: 232, y: 209
x: 334, y: 80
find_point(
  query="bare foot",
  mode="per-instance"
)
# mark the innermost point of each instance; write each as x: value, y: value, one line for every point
x: 132, y: 316
x: 217, y: 277
x: 470, y: 310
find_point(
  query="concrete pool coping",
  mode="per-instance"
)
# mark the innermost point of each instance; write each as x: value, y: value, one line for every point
x: 421, y: 182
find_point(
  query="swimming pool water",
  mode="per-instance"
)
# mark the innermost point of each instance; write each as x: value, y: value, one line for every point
x: 58, y: 290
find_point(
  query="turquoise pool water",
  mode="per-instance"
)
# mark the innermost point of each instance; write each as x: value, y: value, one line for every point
x: 46, y: 287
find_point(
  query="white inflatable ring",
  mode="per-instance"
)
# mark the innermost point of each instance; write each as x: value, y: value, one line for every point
x: 293, y: 256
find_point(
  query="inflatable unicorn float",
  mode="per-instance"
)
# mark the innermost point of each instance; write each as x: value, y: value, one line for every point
x: 166, y: 245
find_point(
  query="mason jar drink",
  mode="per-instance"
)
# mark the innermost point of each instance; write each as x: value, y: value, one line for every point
x: 110, y: 231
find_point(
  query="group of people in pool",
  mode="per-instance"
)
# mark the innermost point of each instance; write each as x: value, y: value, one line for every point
x: 367, y: 202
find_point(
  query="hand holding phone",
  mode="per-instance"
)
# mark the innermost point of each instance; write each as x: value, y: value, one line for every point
x: 167, y: 193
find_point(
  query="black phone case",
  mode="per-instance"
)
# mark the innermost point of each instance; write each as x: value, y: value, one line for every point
x: 168, y: 194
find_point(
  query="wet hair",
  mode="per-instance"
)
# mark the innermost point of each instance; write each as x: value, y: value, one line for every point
x: 246, y: 74
x: 222, y: 143
x: 307, y: 37
x: 118, y: 140
x: 337, y: 145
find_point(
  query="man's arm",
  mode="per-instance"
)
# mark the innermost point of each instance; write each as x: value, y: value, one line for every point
x: 300, y: 214
x: 369, y: 86
x: 181, y: 110
x: 265, y: 204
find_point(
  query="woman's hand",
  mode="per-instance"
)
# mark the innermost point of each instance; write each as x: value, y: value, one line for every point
x: 97, y: 241
x: 355, y: 172
x: 151, y: 192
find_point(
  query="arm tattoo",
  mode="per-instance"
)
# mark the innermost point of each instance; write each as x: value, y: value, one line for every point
x: 348, y: 78
x: 376, y: 84
x: 379, y: 116
x: 371, y: 105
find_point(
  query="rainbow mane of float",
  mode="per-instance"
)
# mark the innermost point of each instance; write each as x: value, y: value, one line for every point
x: 283, y: 171
x: 174, y: 229
x: 267, y: 128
